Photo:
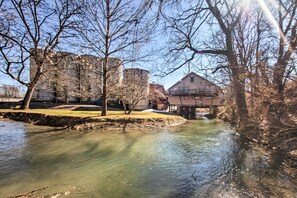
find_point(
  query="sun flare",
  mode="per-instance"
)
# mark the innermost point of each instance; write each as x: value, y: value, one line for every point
x: 263, y: 5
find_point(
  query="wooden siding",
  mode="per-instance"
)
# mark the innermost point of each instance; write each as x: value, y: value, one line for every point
x: 194, y: 90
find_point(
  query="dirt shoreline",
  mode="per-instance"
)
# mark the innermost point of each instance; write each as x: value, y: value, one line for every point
x: 89, y: 123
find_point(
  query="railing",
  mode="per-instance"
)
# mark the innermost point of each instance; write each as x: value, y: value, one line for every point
x: 194, y: 92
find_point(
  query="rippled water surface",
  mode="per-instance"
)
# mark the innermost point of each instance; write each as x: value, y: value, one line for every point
x: 199, y: 159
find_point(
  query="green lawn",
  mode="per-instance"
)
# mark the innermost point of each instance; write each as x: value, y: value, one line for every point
x: 110, y: 114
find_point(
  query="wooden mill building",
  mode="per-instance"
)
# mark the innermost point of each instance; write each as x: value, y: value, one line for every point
x: 192, y: 92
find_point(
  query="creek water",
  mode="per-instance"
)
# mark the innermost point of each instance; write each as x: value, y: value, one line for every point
x: 204, y: 158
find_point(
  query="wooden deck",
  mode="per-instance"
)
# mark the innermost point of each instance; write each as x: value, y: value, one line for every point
x: 192, y: 101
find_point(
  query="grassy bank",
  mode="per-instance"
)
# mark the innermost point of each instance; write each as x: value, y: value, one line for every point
x: 92, y: 119
x: 93, y: 114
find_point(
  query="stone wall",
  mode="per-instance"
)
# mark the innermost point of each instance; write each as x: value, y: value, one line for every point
x: 73, y: 78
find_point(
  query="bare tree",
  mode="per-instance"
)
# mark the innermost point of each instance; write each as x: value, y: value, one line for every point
x: 265, y: 43
x: 220, y: 18
x: 157, y: 96
x: 250, y: 37
x: 285, y: 41
x: 30, y: 31
x: 254, y: 43
x: 10, y: 91
x: 111, y: 28
x: 135, y: 88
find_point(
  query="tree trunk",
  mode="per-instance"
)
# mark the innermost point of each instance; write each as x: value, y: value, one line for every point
x: 238, y: 77
x: 106, y: 61
x: 131, y: 109
x: 104, y: 105
x: 104, y: 91
x: 276, y: 108
x: 26, y: 102
x: 104, y: 97
x: 124, y: 107
x: 133, y: 105
x: 241, y: 106
x: 243, y: 118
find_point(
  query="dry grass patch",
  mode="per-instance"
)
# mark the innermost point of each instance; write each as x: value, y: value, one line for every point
x: 94, y: 114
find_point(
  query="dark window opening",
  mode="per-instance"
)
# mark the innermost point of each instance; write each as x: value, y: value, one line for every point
x: 192, y: 79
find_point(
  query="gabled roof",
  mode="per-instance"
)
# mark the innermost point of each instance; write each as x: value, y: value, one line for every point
x: 192, y: 73
x: 154, y: 86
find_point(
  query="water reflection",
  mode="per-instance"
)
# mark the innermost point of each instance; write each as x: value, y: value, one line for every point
x: 199, y: 159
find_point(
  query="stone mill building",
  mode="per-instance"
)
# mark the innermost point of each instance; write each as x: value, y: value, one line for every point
x: 73, y: 78
x: 78, y: 78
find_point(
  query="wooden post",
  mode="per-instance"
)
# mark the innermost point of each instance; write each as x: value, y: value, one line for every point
x: 210, y: 109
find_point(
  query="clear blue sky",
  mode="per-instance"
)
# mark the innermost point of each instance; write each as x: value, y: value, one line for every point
x: 6, y: 80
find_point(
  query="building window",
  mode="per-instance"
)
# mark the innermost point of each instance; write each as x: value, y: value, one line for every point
x: 192, y: 79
